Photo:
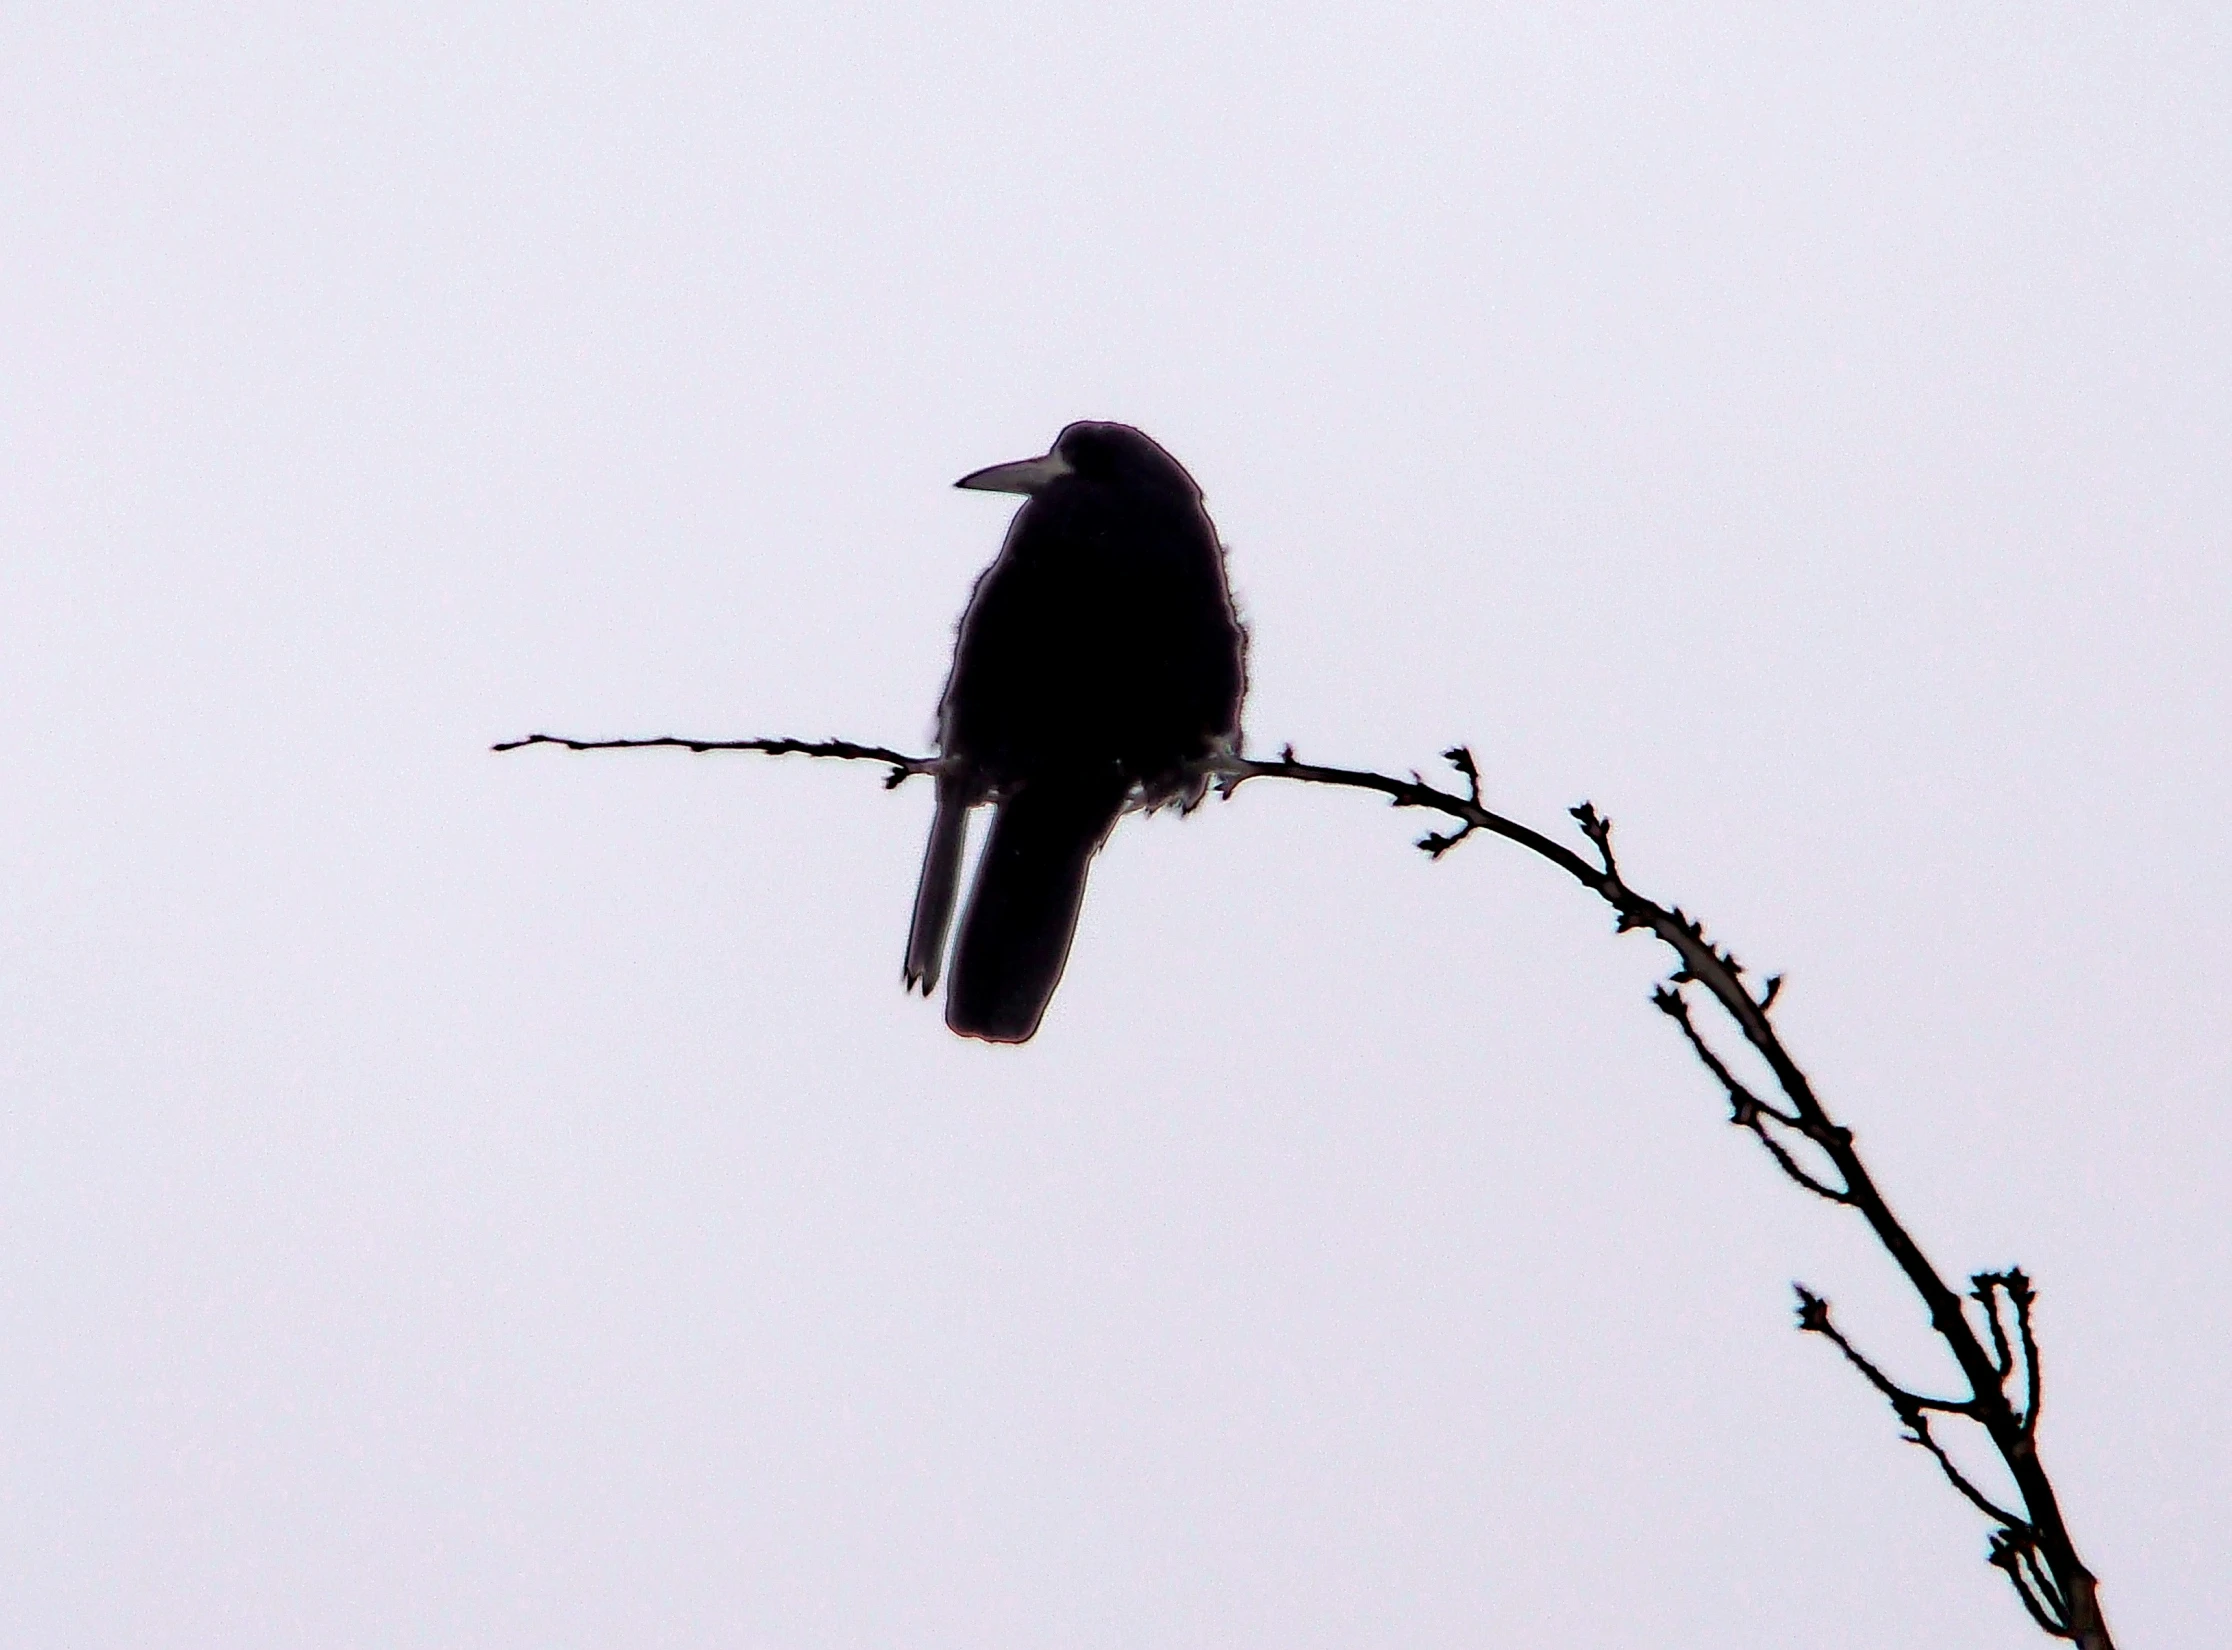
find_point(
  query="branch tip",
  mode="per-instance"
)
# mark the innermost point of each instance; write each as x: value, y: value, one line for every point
x: 1813, y: 1311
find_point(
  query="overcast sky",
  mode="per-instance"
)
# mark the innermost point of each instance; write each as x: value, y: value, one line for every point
x: 449, y: 1199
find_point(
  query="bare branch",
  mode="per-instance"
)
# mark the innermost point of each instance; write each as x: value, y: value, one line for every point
x: 903, y: 767
x: 2016, y: 1286
x: 1437, y: 844
x: 1746, y: 1109
x: 2034, y: 1372
x: 1912, y: 1408
x: 1985, y: 1290
x: 2035, y: 1550
x: 2017, y: 1555
x: 1598, y: 830
x: 1814, y: 1318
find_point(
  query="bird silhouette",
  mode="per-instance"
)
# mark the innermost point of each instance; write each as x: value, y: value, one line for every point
x: 1099, y: 655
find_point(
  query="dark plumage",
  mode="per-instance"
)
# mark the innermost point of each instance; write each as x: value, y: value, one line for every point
x: 1099, y: 654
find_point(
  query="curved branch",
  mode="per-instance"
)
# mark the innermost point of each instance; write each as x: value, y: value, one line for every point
x: 2035, y: 1551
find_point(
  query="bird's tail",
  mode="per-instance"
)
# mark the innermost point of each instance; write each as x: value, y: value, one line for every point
x: 941, y: 874
x: 1023, y: 910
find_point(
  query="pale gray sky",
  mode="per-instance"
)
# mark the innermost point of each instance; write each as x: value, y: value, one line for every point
x: 458, y: 1200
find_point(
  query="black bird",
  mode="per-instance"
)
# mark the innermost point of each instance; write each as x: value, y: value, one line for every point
x: 1099, y: 655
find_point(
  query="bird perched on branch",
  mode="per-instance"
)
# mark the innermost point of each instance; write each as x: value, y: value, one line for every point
x: 1099, y: 655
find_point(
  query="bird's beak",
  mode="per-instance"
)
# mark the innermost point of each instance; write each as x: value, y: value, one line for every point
x: 1025, y: 475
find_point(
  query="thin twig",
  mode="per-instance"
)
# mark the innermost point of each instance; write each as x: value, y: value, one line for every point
x: 1434, y: 843
x: 2017, y: 1287
x: 2017, y: 1555
x: 903, y: 767
x: 1745, y: 1109
x: 1986, y: 1291
x: 1912, y: 1408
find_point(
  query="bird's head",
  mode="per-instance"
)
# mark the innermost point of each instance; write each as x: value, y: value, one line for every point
x: 1107, y: 455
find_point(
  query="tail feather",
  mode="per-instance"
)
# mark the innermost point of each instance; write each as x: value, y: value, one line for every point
x: 941, y: 875
x: 1023, y: 911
